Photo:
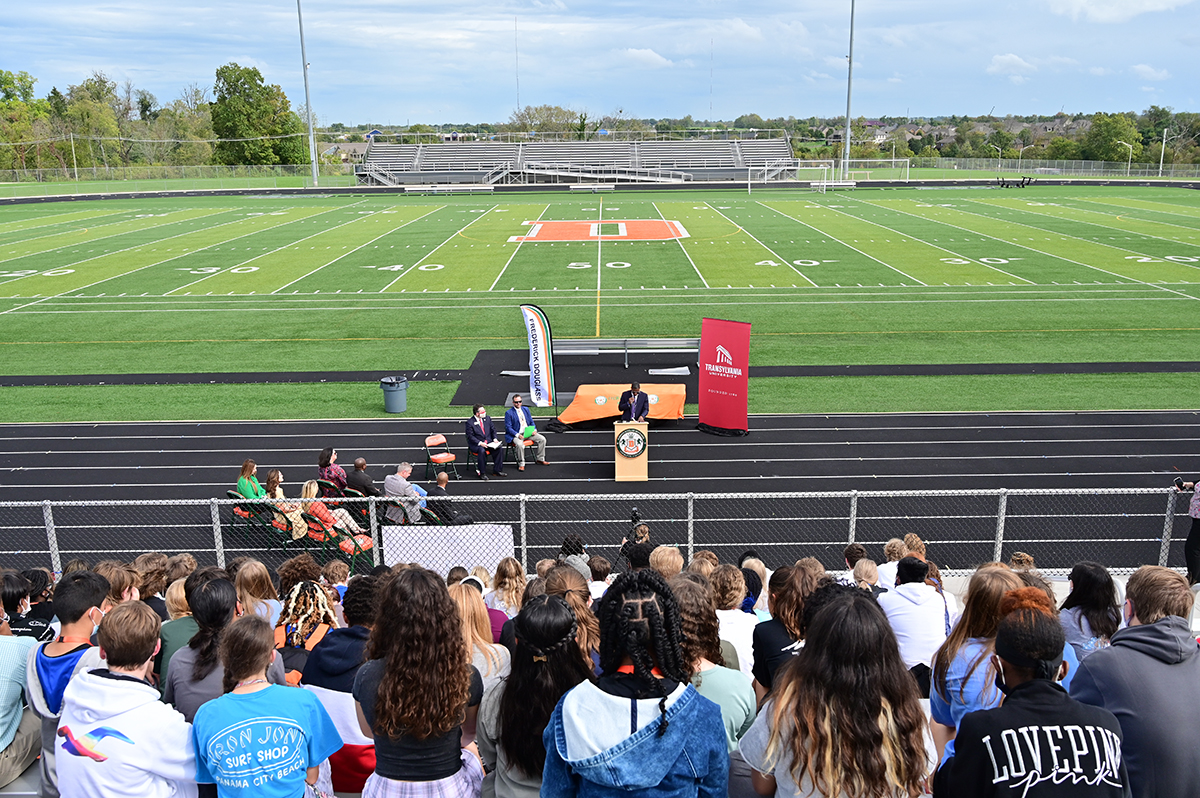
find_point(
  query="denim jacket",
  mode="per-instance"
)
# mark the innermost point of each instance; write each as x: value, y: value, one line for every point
x: 690, y: 760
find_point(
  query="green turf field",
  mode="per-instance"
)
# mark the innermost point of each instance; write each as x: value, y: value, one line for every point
x: 326, y: 282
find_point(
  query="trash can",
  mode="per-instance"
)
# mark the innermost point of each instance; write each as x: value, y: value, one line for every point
x: 395, y: 394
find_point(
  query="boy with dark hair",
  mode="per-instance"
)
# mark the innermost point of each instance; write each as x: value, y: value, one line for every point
x: 79, y: 600
x: 116, y: 738
x: 15, y: 596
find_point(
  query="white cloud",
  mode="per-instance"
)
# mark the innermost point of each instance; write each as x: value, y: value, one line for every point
x: 1100, y: 71
x: 1010, y: 64
x: 1112, y: 10
x: 1147, y: 72
x: 647, y: 58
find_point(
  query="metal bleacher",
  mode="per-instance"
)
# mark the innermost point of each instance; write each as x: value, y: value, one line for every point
x: 489, y: 163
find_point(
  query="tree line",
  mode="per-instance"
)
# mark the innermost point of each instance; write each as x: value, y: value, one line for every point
x: 99, y: 122
x: 242, y: 120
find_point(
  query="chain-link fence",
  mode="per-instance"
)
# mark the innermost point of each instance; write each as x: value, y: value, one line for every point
x: 1121, y: 528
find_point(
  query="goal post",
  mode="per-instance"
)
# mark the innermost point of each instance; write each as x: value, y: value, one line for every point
x: 877, y: 169
x: 789, y: 171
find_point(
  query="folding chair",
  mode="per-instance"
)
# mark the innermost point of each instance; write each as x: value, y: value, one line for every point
x: 328, y: 490
x: 440, y: 459
x: 361, y: 511
x: 510, y: 450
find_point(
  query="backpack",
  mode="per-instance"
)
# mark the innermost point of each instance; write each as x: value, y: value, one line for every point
x: 296, y: 657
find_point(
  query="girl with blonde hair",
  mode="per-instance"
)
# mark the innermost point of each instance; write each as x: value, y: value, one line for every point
x: 492, y: 661
x: 256, y: 591
x: 285, y: 512
x: 509, y: 586
x: 316, y: 508
x: 565, y: 581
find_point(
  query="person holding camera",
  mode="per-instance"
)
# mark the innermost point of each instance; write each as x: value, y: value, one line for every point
x: 1191, y: 548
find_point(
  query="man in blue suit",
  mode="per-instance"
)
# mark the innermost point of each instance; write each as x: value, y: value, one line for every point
x: 481, y: 433
x: 634, y: 405
x: 516, y: 419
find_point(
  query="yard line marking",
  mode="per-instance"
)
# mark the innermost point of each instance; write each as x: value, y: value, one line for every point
x: 1106, y: 227
x: 685, y: 252
x: 439, y: 246
x: 147, y: 266
x: 1191, y: 216
x: 1125, y: 211
x: 126, y: 249
x: 518, y: 249
x: 761, y: 244
x: 18, y: 241
x: 599, y: 269
x: 924, y: 241
x: 52, y: 218
x: 277, y: 249
x: 843, y: 243
x: 1080, y: 263
x: 356, y: 249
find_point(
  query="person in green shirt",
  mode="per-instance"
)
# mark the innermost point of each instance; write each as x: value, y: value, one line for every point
x: 248, y: 483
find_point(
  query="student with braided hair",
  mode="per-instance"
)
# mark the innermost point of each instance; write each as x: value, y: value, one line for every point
x: 303, y: 622
x: 641, y: 730
x: 1040, y: 742
x: 512, y: 717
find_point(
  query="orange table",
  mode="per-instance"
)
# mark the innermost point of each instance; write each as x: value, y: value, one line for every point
x: 601, y: 401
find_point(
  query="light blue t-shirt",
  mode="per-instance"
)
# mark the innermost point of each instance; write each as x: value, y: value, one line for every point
x: 14, y: 652
x: 259, y: 745
x: 965, y: 694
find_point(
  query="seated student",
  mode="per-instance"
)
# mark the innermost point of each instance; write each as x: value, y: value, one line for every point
x: 20, y: 730
x: 335, y: 573
x: 152, y: 581
x: 304, y: 621
x: 417, y: 691
x: 256, y: 591
x: 41, y: 587
x: 194, y: 675
x: 79, y: 600
x: 641, y: 729
x: 259, y: 739
x: 247, y: 483
x: 116, y: 738
x: 329, y: 673
x: 919, y: 616
x: 16, y: 590
x: 178, y: 633
x: 1015, y: 749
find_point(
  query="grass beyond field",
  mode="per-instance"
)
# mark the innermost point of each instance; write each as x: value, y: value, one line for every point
x: 382, y: 282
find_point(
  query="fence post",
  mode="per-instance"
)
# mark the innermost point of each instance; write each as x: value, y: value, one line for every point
x: 691, y: 521
x: 853, y: 517
x: 1000, y: 513
x: 376, y: 544
x: 218, y: 540
x: 51, y: 538
x: 524, y: 538
x: 1164, y: 551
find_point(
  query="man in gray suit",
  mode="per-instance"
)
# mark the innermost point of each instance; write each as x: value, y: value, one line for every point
x: 397, y: 486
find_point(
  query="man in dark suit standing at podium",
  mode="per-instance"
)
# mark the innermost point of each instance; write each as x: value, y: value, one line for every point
x: 481, y: 434
x: 634, y: 405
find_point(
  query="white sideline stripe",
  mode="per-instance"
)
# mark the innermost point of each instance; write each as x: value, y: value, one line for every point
x: 277, y: 249
x: 840, y: 242
x: 1130, y: 218
x: 1128, y: 208
x: 697, y: 302
x: 82, y: 223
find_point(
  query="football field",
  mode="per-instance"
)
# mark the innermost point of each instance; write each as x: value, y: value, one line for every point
x: 342, y: 282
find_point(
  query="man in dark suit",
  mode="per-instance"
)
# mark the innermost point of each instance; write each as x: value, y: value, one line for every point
x: 634, y: 405
x: 360, y: 480
x: 439, y: 502
x: 480, y: 434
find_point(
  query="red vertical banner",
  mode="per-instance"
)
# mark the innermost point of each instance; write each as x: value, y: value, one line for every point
x: 724, y: 376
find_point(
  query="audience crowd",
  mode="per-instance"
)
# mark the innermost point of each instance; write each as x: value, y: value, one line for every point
x: 651, y: 677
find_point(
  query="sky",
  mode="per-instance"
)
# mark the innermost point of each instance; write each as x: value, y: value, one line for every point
x: 403, y: 61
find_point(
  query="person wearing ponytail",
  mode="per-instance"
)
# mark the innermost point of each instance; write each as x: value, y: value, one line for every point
x: 1040, y: 742
x: 545, y: 665
x: 195, y: 672
x: 641, y: 730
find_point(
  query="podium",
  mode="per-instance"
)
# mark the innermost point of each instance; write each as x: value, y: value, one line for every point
x: 631, y: 450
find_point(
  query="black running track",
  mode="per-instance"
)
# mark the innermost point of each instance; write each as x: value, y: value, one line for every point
x: 889, y: 452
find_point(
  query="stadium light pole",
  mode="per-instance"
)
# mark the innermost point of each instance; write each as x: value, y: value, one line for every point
x: 308, y: 112
x: 849, y: 86
x: 1129, y: 163
x: 999, y: 155
x: 1163, y: 153
x: 1020, y: 153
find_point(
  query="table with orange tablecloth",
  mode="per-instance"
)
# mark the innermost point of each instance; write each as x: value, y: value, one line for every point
x: 602, y: 401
